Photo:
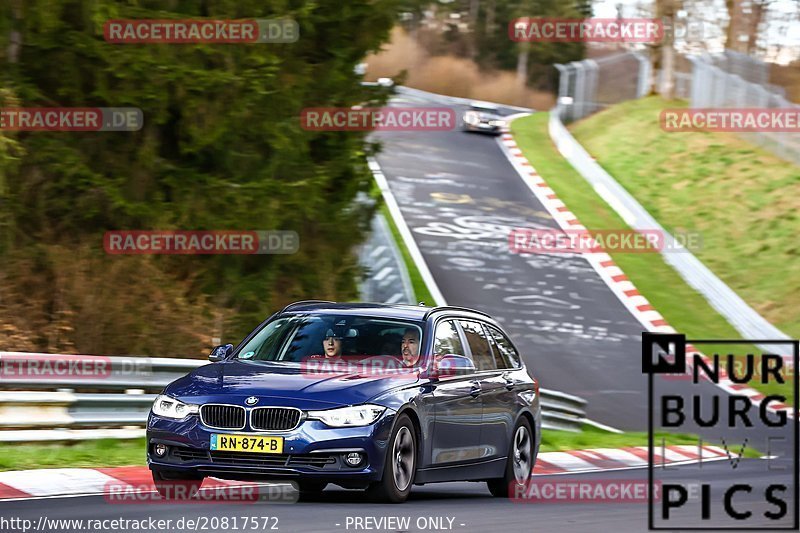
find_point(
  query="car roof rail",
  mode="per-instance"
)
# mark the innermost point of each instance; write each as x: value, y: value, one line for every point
x: 304, y: 302
x: 455, y: 308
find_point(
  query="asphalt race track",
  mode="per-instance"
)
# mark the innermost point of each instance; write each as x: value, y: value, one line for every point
x: 460, y: 197
x: 469, y: 505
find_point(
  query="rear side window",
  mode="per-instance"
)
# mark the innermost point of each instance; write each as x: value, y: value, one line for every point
x: 505, y: 349
x: 479, y: 345
x: 447, y: 341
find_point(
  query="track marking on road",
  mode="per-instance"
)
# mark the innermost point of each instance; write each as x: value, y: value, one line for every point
x: 49, y: 482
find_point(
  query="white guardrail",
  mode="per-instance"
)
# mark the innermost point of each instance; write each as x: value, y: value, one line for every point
x: 46, y: 397
x: 736, y: 311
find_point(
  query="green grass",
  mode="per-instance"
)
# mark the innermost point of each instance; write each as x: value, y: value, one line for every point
x: 743, y: 200
x: 421, y: 292
x: 591, y: 437
x: 684, y: 308
x: 82, y: 454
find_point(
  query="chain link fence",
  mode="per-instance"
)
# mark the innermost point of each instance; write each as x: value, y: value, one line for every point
x: 728, y: 80
x: 746, y: 67
x: 591, y: 85
x: 715, y: 87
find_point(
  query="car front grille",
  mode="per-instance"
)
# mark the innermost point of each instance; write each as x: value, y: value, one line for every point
x: 222, y: 416
x: 317, y: 460
x: 189, y: 454
x: 274, y: 418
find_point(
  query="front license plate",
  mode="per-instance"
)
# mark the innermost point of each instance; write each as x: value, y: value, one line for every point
x: 246, y: 443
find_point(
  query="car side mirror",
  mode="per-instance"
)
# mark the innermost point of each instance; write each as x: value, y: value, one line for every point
x: 220, y: 352
x: 452, y: 365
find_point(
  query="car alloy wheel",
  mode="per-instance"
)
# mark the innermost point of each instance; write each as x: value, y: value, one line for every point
x: 521, y: 455
x: 403, y: 455
x: 519, y: 463
x: 399, y: 466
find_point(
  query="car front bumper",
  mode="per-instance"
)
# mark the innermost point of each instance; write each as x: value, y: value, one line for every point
x: 312, y: 451
x: 483, y: 127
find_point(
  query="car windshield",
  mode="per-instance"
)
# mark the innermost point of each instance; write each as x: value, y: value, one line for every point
x: 310, y: 337
x: 484, y: 109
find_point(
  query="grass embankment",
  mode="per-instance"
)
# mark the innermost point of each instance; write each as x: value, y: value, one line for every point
x: 743, y: 200
x: 684, y: 308
x: 421, y: 292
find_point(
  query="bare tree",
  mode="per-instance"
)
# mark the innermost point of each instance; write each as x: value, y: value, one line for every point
x: 15, y: 36
x: 522, y: 63
x: 746, y: 21
x: 474, y: 9
x: 665, y: 50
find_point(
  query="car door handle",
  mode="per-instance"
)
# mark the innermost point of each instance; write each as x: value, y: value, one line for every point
x: 475, y: 391
x: 510, y: 384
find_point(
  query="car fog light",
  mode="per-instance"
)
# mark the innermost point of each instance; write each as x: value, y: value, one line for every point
x: 160, y: 449
x: 354, y: 459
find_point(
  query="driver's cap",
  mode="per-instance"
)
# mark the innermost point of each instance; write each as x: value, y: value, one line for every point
x: 338, y: 334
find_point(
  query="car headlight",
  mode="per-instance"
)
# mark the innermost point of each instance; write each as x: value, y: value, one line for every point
x: 172, y: 408
x: 358, y: 415
x: 472, y: 118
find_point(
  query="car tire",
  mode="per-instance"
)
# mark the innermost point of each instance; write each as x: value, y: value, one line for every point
x: 176, y: 486
x: 519, y: 463
x: 400, y: 465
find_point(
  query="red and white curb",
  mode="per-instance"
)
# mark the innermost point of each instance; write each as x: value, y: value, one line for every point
x: 66, y: 482
x: 611, y: 274
x: 54, y: 482
x: 578, y: 461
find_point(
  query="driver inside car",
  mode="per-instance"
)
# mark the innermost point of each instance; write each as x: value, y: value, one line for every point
x: 331, y: 344
x: 409, y: 347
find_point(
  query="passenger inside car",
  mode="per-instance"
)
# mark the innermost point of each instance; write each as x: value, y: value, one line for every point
x: 409, y: 346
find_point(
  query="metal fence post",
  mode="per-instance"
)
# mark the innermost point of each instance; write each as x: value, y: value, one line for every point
x: 643, y: 85
x: 578, y: 104
x: 591, y: 86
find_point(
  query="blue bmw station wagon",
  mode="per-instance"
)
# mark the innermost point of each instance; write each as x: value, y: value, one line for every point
x: 369, y: 396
